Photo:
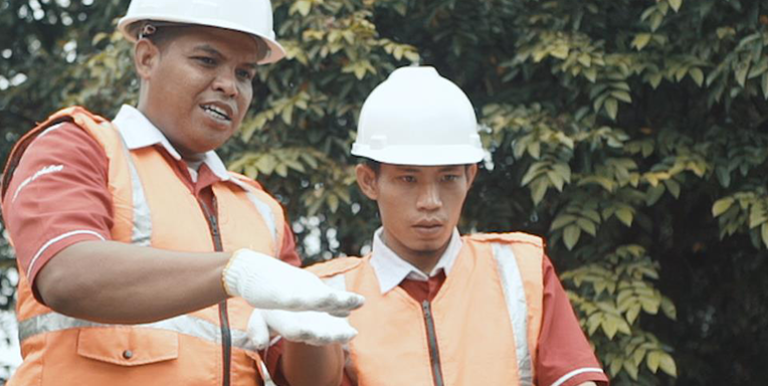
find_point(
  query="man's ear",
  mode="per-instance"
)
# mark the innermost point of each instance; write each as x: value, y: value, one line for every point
x: 146, y: 56
x: 366, y: 180
x: 471, y: 174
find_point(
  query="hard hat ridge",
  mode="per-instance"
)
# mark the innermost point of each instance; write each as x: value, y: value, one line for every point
x: 253, y: 17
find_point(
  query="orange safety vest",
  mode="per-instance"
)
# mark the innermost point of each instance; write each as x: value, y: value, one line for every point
x: 151, y: 207
x: 482, y: 328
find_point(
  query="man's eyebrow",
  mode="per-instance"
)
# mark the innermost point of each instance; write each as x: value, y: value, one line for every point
x: 209, y: 49
x: 212, y: 51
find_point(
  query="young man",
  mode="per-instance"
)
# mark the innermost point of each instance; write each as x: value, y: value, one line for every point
x: 444, y: 309
x: 141, y: 258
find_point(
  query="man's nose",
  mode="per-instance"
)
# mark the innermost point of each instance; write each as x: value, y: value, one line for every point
x: 429, y: 198
x: 226, y: 82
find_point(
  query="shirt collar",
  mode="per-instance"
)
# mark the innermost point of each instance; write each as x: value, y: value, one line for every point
x: 391, y: 269
x: 139, y: 132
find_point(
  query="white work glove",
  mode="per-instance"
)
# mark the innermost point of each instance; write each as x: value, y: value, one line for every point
x: 309, y: 327
x: 268, y: 283
x: 258, y: 332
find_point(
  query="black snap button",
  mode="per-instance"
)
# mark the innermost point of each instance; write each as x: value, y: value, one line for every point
x: 127, y: 354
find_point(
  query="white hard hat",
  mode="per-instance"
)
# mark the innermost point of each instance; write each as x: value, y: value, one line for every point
x: 253, y: 17
x: 417, y: 117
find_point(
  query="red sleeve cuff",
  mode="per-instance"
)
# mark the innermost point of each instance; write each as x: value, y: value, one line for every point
x: 579, y: 376
x: 272, y: 360
x: 51, y: 248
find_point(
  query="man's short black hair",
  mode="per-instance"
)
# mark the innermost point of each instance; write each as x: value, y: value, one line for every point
x: 376, y: 165
x: 158, y: 32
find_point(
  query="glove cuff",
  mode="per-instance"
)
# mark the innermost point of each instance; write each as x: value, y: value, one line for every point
x: 232, y: 274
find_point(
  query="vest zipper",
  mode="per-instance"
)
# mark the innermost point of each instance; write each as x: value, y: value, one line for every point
x: 226, y: 335
x: 434, y: 352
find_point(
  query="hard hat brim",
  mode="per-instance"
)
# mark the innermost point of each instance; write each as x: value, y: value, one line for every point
x: 420, y: 156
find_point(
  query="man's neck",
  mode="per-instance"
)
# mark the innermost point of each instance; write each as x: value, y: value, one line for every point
x: 424, y: 260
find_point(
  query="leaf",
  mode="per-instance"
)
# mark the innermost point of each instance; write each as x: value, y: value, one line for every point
x: 765, y: 85
x: 673, y: 187
x: 667, y: 365
x: 615, y: 366
x: 593, y: 323
x: 302, y: 6
x: 571, y: 236
x: 539, y: 189
x: 641, y: 40
x: 560, y: 52
x: 587, y: 226
x: 585, y: 60
x: 622, y: 96
x: 675, y: 4
x: 764, y: 233
x: 721, y: 206
x: 652, y: 360
x: 287, y: 114
x: 638, y: 355
x: 656, y: 20
x: 534, y: 149
x: 625, y: 216
x: 741, y: 73
x: 612, y: 107
x: 650, y: 305
x: 590, y: 74
x: 561, y: 221
x: 333, y: 202
x: 631, y: 369
x: 697, y: 75
x: 535, y: 170
x: 610, y: 326
x: 655, y: 80
x: 556, y: 179
x: 668, y: 308
x: 266, y: 164
x: 281, y: 170
x: 633, y: 312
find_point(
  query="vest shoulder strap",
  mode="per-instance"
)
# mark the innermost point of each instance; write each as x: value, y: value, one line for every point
x: 508, y: 238
x: 253, y: 183
x: 335, y: 267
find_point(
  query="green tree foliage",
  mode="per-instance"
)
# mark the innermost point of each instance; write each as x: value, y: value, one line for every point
x: 631, y: 133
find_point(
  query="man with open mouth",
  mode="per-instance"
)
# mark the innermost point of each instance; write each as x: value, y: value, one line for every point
x: 142, y: 260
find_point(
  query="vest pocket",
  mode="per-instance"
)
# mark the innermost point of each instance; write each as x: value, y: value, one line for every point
x: 127, y: 346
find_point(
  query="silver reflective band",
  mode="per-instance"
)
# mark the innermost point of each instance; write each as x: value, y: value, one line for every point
x: 184, y: 324
x: 141, y: 233
x: 336, y: 282
x: 517, y: 306
x: 263, y: 208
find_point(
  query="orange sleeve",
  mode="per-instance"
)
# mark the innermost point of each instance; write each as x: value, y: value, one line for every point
x: 564, y: 354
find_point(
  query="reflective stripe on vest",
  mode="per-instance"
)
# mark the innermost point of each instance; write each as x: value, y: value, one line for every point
x: 266, y: 212
x: 183, y: 324
x: 517, y: 307
x: 141, y: 233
